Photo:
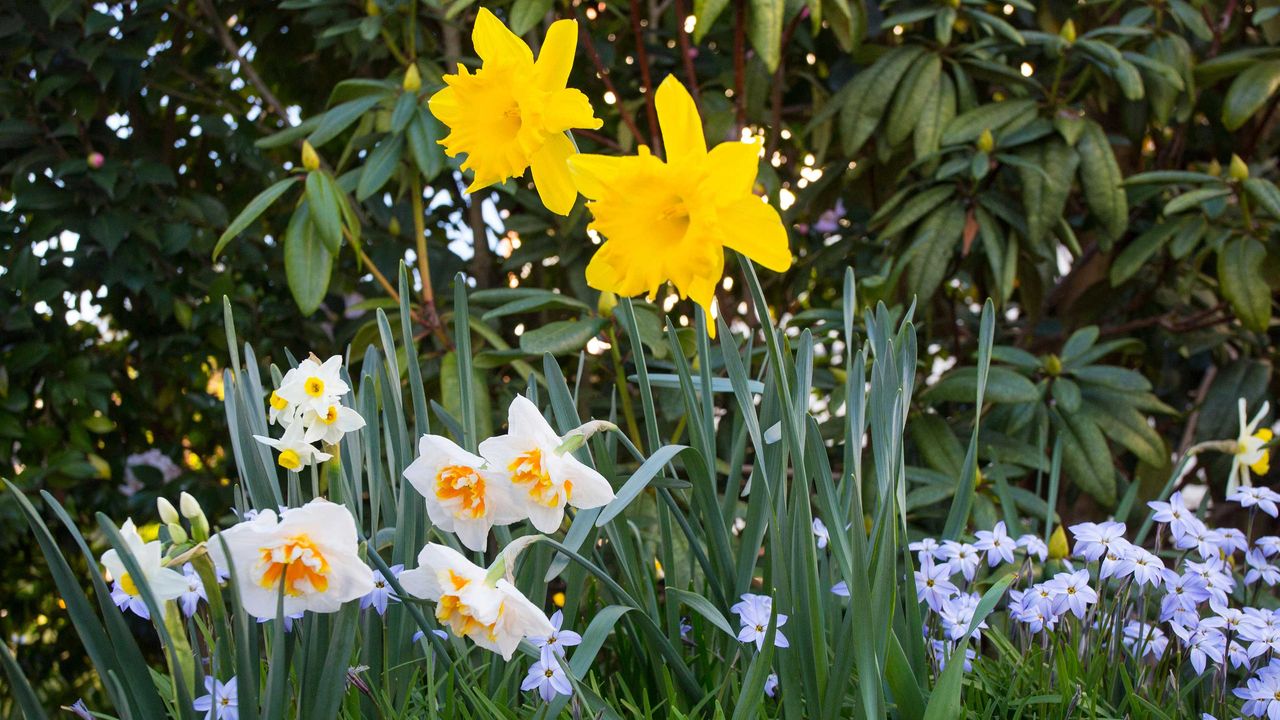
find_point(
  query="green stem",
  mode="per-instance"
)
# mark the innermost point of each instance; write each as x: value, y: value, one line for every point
x: 620, y: 378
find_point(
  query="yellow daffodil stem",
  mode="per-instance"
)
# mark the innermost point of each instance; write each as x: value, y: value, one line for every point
x: 620, y: 377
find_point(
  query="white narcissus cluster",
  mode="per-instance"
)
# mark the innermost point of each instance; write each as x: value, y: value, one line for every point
x: 529, y: 472
x: 308, y: 405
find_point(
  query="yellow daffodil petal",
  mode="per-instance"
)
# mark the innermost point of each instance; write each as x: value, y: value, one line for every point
x: 569, y: 108
x: 555, y: 58
x: 681, y: 126
x: 595, y: 174
x: 495, y: 43
x: 753, y: 228
x: 550, y: 167
x: 732, y: 168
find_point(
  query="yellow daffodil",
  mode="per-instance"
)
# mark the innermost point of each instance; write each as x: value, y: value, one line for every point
x: 672, y: 220
x: 1252, y: 453
x: 514, y: 112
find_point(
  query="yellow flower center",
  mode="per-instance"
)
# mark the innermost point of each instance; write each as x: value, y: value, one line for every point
x: 528, y: 469
x: 127, y: 585
x: 330, y: 416
x: 289, y: 460
x: 1263, y: 464
x: 298, y: 563
x: 314, y: 386
x: 459, y: 482
x: 451, y: 610
x: 278, y: 402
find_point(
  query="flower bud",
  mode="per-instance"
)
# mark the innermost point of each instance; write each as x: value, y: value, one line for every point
x: 176, y: 534
x: 371, y: 8
x: 412, y: 80
x: 1068, y: 31
x: 1053, y: 365
x: 168, y: 515
x: 1058, y: 548
x: 1215, y: 168
x: 190, y: 507
x: 393, y: 227
x: 310, y: 160
x: 96, y: 160
x: 986, y: 141
x: 1239, y: 170
x: 607, y: 302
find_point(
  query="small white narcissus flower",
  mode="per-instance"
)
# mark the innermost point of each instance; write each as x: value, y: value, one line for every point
x: 544, y: 480
x: 314, y: 386
x: 166, y: 583
x: 329, y: 427
x: 493, y: 614
x: 1251, y: 449
x: 462, y: 496
x: 309, y: 554
x: 295, y: 451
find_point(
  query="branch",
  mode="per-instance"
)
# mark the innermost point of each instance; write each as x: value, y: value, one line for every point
x: 646, y: 81
x: 224, y: 37
x: 603, y: 73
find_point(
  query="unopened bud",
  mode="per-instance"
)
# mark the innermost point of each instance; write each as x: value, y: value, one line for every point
x: 168, y: 515
x: 190, y: 507
x: 1215, y: 168
x: 1053, y: 365
x: 1239, y: 170
x: 986, y: 141
x: 96, y: 160
x: 1058, y: 548
x: 605, y: 305
x: 176, y: 534
x: 412, y: 80
x: 371, y: 8
x: 1068, y: 31
x: 393, y: 227
x: 310, y: 160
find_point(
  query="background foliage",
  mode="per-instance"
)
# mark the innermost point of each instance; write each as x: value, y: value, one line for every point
x: 1081, y: 176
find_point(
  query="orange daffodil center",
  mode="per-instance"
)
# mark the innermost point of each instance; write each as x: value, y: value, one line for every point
x: 464, y: 484
x: 672, y: 220
x: 298, y: 562
x: 514, y: 112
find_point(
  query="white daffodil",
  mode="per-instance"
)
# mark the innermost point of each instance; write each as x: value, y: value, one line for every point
x: 314, y: 386
x: 309, y: 554
x: 329, y: 427
x: 463, y: 496
x: 294, y: 449
x: 544, y: 475
x: 166, y: 583
x: 491, y: 612
x: 1251, y: 452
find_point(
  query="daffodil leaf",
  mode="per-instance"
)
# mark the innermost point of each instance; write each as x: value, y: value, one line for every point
x: 525, y: 14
